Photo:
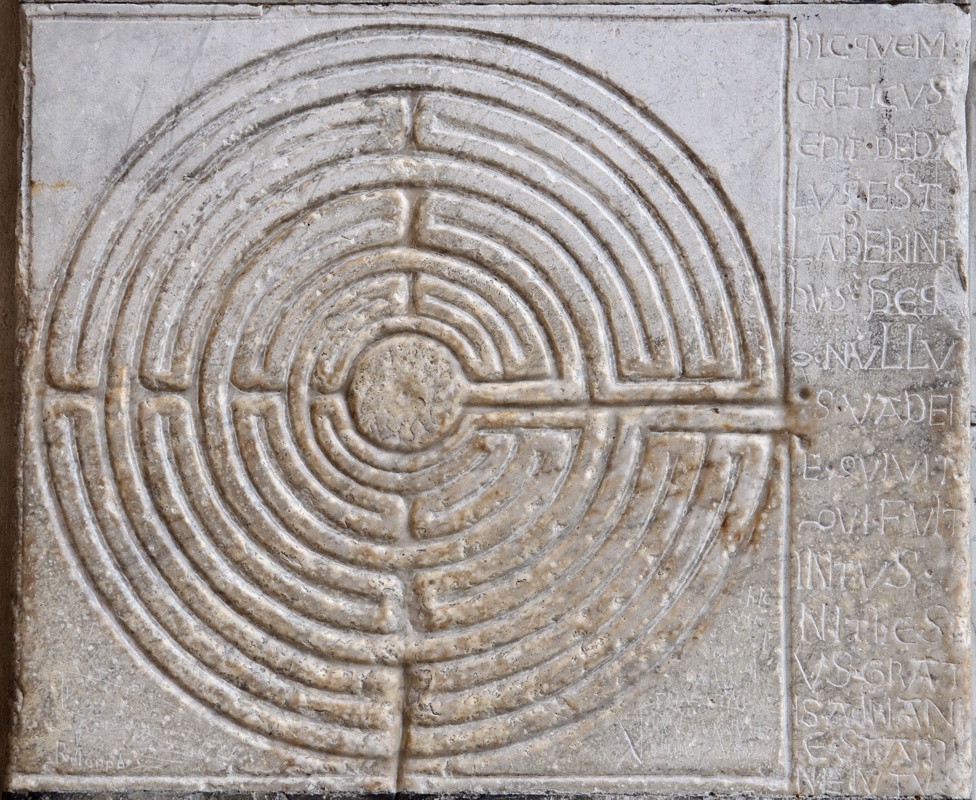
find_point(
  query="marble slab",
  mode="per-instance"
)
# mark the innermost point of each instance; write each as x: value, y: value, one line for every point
x: 495, y: 399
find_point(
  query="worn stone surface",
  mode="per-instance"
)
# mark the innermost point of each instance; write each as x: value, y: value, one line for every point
x: 495, y: 399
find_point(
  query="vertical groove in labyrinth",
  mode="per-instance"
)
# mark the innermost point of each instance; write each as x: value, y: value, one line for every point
x: 400, y: 758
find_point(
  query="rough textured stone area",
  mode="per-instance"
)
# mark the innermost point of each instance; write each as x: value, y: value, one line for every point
x: 497, y: 399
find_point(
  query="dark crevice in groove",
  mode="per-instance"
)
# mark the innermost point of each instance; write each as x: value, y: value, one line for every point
x: 400, y: 762
x: 414, y: 197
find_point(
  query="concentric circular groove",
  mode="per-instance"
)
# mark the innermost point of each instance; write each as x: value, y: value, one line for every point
x: 364, y: 425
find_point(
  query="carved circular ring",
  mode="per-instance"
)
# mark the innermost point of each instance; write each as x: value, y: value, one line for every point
x: 354, y: 378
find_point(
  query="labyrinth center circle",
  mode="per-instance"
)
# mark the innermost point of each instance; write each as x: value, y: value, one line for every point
x: 405, y: 392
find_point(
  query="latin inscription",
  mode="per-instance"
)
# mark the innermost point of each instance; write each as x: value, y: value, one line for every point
x: 877, y: 354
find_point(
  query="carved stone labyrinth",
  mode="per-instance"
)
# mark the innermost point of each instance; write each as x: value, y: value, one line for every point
x: 410, y: 390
